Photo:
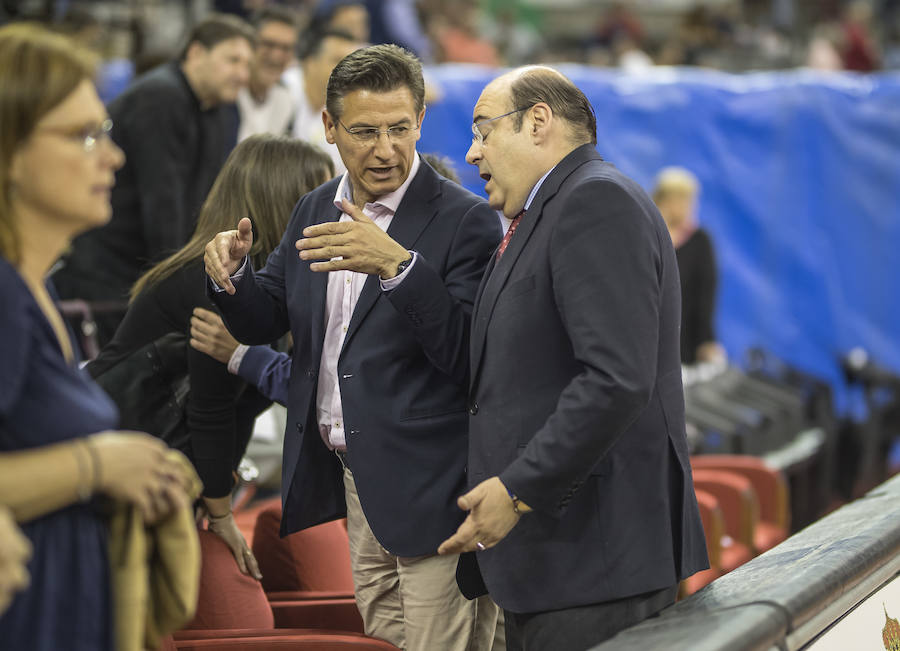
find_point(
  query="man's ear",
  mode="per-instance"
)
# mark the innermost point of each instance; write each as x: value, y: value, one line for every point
x: 330, y: 126
x: 194, y: 51
x: 541, y: 120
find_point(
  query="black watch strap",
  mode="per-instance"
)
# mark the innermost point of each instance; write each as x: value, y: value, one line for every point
x: 404, y: 265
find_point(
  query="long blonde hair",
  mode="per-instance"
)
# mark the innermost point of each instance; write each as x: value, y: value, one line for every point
x: 262, y: 179
x: 38, y: 70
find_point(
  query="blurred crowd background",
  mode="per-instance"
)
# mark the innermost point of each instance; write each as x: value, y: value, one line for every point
x: 730, y: 35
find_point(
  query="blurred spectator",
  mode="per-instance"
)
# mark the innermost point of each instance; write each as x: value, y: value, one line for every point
x: 617, y: 22
x: 701, y: 33
x: 457, y: 36
x: 319, y: 53
x: 398, y: 22
x: 517, y: 39
x: 176, y: 128
x: 57, y: 450
x: 243, y: 8
x: 350, y: 16
x: 630, y: 57
x: 265, y: 105
x: 262, y: 180
x: 675, y: 194
x: 83, y: 27
x: 824, y: 50
x: 860, y: 52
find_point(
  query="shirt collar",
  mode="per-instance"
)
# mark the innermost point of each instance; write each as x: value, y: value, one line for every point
x: 537, y: 186
x: 391, y: 201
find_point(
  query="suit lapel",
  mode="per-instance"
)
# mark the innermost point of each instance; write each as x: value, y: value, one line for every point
x: 498, y: 271
x: 413, y: 215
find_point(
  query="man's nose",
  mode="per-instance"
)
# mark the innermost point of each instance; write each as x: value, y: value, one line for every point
x: 474, y: 153
x: 384, y: 146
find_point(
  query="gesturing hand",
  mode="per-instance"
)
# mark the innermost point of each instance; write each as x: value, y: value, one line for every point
x: 225, y: 251
x: 357, y: 245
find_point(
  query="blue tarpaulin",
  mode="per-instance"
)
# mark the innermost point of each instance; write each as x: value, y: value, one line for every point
x: 801, y: 192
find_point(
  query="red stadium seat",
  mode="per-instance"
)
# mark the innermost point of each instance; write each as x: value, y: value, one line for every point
x: 233, y: 612
x: 311, y: 566
x: 771, y: 492
x: 739, y: 509
x: 245, y: 516
x: 314, y: 560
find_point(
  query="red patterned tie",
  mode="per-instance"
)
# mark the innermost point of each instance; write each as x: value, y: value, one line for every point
x: 509, y: 233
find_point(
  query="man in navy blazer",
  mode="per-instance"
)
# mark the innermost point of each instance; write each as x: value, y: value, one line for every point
x: 375, y: 278
x: 581, y: 509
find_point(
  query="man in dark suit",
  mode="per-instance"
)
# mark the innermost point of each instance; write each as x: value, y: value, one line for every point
x: 378, y: 301
x: 581, y: 508
x: 176, y: 125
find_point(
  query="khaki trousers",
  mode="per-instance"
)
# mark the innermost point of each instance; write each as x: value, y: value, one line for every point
x: 414, y: 603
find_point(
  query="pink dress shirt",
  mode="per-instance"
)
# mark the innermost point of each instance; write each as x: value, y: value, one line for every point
x: 344, y: 288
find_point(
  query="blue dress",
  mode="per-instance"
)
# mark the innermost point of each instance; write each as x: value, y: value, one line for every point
x: 45, y: 400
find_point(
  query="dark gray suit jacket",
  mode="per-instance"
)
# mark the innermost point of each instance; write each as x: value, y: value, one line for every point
x: 403, y: 369
x: 576, y: 398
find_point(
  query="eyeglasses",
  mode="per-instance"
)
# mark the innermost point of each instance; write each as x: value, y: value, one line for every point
x: 478, y: 137
x: 367, y: 135
x: 88, y: 136
x: 286, y: 48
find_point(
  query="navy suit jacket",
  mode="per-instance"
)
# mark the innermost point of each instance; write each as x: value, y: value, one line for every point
x: 576, y: 397
x: 403, y: 369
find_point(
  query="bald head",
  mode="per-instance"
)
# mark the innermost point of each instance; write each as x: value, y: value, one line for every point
x: 524, y: 123
x: 529, y: 85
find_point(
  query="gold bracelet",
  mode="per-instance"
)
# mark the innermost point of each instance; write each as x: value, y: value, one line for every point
x: 95, y: 465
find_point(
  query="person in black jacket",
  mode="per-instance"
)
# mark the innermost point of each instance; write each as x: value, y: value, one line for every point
x: 176, y: 126
x: 675, y: 194
x: 262, y: 179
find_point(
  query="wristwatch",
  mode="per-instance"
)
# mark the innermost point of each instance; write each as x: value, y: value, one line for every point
x: 404, y: 265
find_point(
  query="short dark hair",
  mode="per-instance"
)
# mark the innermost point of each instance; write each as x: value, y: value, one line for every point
x: 563, y: 97
x: 274, y: 14
x: 379, y: 68
x: 310, y: 44
x: 216, y: 28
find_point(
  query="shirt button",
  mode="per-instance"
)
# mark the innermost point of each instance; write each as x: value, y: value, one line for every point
x: 299, y: 428
x: 348, y: 281
x: 345, y: 328
x: 337, y: 424
x: 473, y: 409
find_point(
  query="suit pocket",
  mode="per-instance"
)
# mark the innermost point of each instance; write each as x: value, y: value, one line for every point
x: 416, y: 414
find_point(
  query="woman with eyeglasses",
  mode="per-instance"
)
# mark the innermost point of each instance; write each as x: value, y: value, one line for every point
x: 58, y: 446
x: 262, y: 179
